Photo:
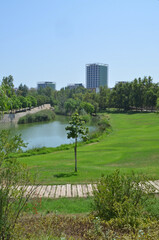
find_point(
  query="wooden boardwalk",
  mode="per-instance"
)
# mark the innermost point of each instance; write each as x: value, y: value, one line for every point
x: 70, y: 190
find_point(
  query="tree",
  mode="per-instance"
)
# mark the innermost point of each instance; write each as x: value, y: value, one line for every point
x: 3, y: 100
x: 22, y: 90
x: 13, y: 180
x: 88, y: 107
x: 8, y: 86
x: 76, y: 128
x: 70, y: 106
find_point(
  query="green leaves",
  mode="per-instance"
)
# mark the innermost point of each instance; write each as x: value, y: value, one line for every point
x: 76, y: 127
x: 14, y: 177
x: 9, y: 145
x: 120, y: 196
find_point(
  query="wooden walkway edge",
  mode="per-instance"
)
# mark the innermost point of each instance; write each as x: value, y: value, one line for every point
x: 71, y: 190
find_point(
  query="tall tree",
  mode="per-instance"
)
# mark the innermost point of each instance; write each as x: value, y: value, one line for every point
x: 8, y: 86
x: 22, y: 90
x: 76, y: 128
x: 3, y: 100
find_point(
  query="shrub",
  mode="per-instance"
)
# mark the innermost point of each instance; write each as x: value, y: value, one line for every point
x: 104, y: 124
x: 13, y: 179
x: 121, y: 197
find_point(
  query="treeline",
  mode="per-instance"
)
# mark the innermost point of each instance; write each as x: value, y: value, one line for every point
x: 139, y: 94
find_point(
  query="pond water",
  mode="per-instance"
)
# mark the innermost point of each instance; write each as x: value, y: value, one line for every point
x: 50, y: 134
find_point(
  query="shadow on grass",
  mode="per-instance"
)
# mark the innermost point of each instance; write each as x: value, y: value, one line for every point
x: 61, y: 175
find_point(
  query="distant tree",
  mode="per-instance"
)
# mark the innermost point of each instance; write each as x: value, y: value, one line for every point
x: 41, y: 99
x: 15, y: 103
x: 22, y: 90
x: 33, y: 101
x: 3, y: 100
x: 103, y: 98
x: 88, y: 107
x: 8, y: 86
x: 76, y: 128
x: 23, y: 101
x: 157, y: 105
x: 150, y: 98
x: 70, y: 106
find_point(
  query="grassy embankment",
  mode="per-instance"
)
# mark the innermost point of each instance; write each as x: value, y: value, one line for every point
x: 41, y: 116
x: 132, y: 145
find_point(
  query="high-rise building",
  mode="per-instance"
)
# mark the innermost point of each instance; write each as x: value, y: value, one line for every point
x: 46, y: 84
x: 74, y: 86
x: 96, y: 75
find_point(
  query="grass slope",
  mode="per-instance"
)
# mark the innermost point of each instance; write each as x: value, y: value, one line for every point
x: 133, y: 145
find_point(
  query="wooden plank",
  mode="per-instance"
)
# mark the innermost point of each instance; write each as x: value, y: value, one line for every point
x: 155, y: 186
x: 63, y: 191
x: 79, y: 191
x: 74, y: 190
x: 58, y: 191
x: 157, y: 183
x: 68, y: 187
x: 42, y: 191
x: 90, y: 190
x: 52, y: 192
x: 37, y: 191
x: 85, y: 190
x: 47, y: 191
x: 95, y: 186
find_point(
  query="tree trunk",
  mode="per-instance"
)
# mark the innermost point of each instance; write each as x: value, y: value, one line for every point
x: 75, y: 154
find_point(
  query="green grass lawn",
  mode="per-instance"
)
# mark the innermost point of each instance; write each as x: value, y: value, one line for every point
x: 132, y: 145
x: 60, y: 206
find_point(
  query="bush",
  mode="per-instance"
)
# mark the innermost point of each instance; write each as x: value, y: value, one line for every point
x: 121, y: 197
x: 44, y: 115
x: 104, y: 124
x: 86, y: 118
x: 13, y: 179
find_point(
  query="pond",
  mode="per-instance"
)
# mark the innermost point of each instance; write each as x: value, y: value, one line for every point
x: 50, y: 134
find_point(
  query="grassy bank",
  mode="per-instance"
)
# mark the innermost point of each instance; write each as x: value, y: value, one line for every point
x: 41, y: 116
x: 132, y: 145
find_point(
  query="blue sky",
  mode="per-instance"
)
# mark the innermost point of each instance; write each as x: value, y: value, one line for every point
x: 53, y: 40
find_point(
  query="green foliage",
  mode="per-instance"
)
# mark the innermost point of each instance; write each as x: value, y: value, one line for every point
x: 104, y: 123
x: 157, y: 105
x: 88, y: 107
x: 9, y: 145
x: 44, y: 115
x: 22, y: 90
x: 13, y: 179
x: 76, y: 128
x: 3, y: 100
x: 86, y: 118
x: 81, y: 227
x: 122, y: 197
x: 140, y: 94
x: 8, y: 86
x: 70, y: 106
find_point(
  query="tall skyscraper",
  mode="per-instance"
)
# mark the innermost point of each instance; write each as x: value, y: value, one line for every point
x: 96, y: 75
